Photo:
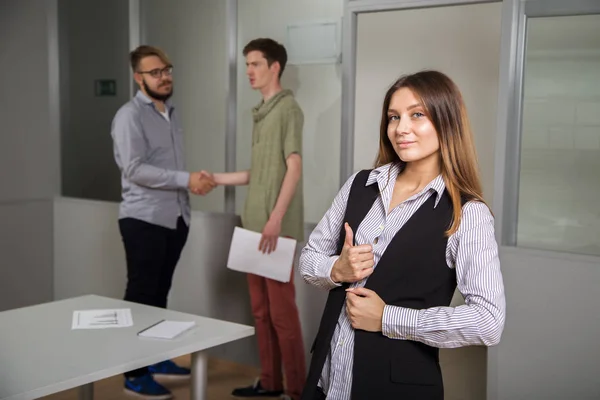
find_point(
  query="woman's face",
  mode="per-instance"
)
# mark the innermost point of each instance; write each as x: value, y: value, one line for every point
x: 410, y: 131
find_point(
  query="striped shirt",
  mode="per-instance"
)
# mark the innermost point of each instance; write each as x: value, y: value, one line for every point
x: 471, y: 250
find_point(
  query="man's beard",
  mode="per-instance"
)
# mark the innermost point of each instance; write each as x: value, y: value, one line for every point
x: 157, y: 96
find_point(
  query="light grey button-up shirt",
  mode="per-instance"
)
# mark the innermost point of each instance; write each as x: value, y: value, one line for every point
x: 149, y: 152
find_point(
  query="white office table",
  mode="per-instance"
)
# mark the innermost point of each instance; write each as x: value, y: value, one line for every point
x: 40, y: 354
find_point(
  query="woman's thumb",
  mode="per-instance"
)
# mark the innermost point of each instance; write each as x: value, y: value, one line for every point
x: 349, y: 235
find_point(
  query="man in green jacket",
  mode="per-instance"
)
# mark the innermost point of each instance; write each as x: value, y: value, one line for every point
x: 274, y: 208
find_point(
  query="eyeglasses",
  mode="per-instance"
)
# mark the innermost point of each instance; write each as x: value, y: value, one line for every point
x: 158, y: 73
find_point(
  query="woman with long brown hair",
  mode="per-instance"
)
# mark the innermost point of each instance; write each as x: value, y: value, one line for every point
x: 395, y: 244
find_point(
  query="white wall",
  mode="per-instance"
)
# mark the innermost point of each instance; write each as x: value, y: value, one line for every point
x: 192, y: 33
x: 549, y: 349
x: 92, y: 260
x: 91, y: 48
x: 29, y: 150
x: 464, y: 43
x: 317, y: 89
x: 460, y: 41
x: 26, y: 248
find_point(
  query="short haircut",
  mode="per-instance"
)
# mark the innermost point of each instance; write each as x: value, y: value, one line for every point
x: 270, y: 49
x: 136, y: 56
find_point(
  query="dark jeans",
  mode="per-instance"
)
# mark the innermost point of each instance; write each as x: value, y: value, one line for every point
x: 152, y: 252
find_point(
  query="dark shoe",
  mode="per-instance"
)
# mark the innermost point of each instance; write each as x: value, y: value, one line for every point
x: 255, y: 390
x: 169, y: 370
x: 146, y: 387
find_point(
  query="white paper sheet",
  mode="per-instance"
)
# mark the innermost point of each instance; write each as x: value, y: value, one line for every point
x: 102, y: 319
x: 244, y: 256
x: 167, y: 329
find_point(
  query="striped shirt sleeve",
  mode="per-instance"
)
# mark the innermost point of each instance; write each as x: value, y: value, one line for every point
x: 480, y: 321
x: 319, y: 254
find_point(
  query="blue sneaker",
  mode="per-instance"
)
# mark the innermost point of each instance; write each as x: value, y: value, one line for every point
x: 147, y: 388
x: 169, y: 370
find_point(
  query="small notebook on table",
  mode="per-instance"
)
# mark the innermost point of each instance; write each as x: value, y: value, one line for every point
x: 166, y: 329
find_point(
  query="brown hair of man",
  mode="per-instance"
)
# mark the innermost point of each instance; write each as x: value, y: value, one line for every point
x: 446, y: 109
x: 270, y: 49
x: 143, y: 51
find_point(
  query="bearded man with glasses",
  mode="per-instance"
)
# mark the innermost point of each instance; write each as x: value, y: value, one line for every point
x: 154, y: 215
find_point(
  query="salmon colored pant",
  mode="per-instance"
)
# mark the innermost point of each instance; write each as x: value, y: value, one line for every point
x: 279, y: 334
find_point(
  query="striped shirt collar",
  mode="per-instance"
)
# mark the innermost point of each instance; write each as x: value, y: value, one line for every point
x: 380, y: 175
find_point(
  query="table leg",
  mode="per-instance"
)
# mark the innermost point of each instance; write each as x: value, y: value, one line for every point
x: 86, y: 392
x: 199, y: 375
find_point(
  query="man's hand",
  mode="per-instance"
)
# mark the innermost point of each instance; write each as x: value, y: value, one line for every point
x: 365, y: 309
x: 355, y: 262
x: 208, y: 175
x: 201, y: 183
x: 270, y: 233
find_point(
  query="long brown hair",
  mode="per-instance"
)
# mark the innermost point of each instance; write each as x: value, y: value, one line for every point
x: 445, y: 108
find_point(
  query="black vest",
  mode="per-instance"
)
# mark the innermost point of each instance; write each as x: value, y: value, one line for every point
x: 412, y: 273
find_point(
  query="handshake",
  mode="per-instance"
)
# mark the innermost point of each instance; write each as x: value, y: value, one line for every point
x: 201, y: 182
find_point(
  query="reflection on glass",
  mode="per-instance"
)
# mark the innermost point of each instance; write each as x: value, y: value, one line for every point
x: 560, y: 150
x: 94, y: 79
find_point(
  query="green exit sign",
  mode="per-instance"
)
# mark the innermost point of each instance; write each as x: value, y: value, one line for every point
x: 106, y: 87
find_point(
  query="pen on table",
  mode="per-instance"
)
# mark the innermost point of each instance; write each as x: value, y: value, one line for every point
x: 145, y: 329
